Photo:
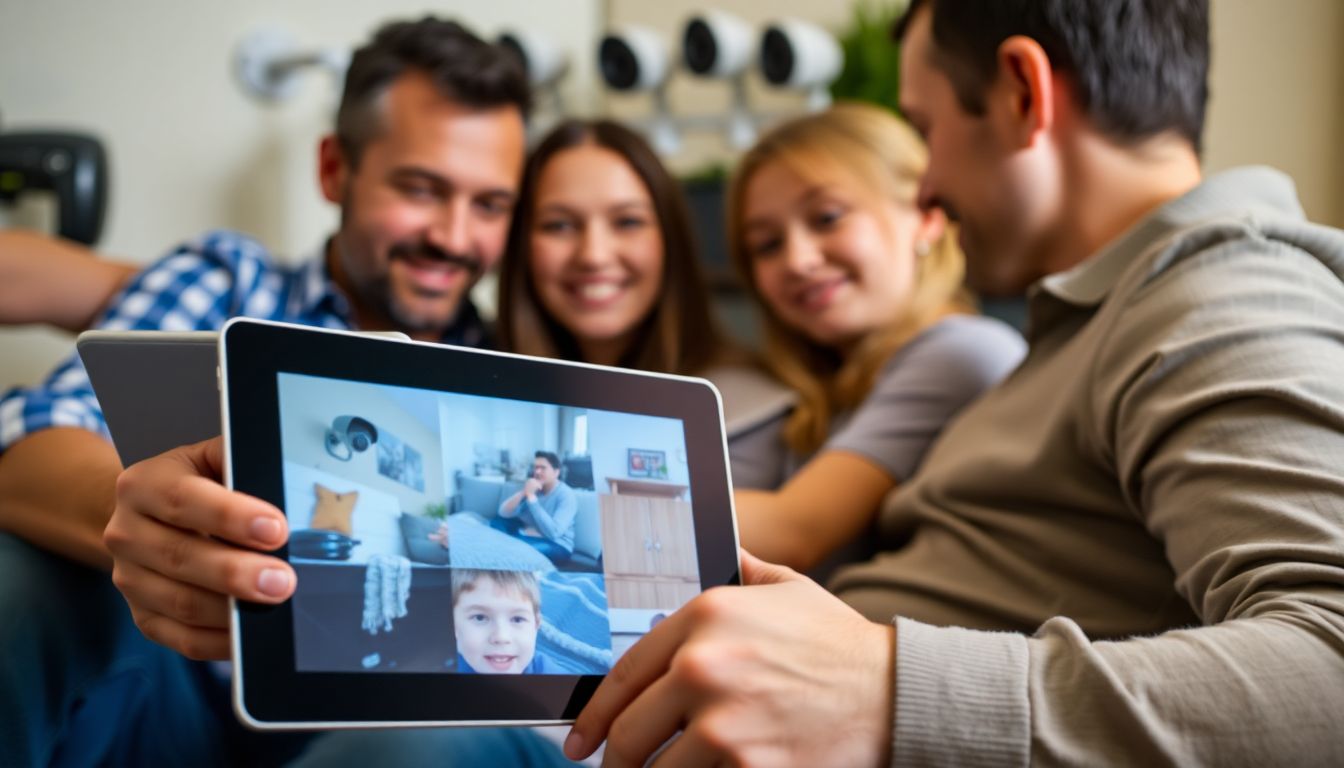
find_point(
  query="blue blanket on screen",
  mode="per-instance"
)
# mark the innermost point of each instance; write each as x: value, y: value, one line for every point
x: 575, y: 632
x: 474, y: 544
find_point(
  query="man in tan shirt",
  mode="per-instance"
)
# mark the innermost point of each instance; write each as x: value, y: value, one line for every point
x: 1131, y: 551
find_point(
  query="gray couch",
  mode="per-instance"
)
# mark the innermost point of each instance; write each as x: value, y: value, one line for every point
x: 483, y: 497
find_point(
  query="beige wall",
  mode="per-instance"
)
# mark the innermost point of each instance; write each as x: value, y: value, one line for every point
x: 190, y: 151
x: 1277, y: 95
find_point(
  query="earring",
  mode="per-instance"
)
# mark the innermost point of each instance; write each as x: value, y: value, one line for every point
x: 922, y: 249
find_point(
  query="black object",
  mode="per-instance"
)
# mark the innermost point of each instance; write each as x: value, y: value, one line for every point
x: 704, y: 199
x: 315, y: 544
x: 72, y: 165
x: 620, y: 66
x: 514, y: 46
x: 578, y: 472
x: 776, y: 57
x: 699, y: 47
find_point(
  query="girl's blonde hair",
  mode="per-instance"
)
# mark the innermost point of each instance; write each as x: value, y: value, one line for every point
x: 848, y: 144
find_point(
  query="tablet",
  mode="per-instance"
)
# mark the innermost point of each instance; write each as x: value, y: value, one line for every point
x: 477, y: 536
x: 157, y: 390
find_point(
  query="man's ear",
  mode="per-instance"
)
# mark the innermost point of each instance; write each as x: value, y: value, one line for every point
x: 932, y: 225
x: 1027, y: 88
x: 333, y: 169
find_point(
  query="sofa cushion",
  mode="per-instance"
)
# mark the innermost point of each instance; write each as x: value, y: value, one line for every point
x: 479, y: 496
x: 416, y: 530
x: 333, y: 510
x: 587, y: 526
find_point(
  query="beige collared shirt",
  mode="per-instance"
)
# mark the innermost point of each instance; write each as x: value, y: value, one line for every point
x: 1150, y: 509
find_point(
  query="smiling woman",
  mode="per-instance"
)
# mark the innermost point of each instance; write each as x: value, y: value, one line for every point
x: 602, y: 267
x: 865, y: 318
x: 597, y: 250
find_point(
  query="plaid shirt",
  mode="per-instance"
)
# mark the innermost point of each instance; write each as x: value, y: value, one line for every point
x: 198, y: 287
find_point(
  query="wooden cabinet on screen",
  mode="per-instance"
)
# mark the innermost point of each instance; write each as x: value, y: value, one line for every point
x: 648, y: 544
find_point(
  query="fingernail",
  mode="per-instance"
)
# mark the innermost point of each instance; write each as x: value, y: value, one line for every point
x: 264, y: 529
x: 273, y: 582
x: 573, y: 745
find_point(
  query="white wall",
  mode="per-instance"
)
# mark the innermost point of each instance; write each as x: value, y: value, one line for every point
x: 611, y: 434
x: 307, y: 406
x: 1277, y: 95
x: 521, y: 428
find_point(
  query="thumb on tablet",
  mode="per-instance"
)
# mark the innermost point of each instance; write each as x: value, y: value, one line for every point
x: 208, y: 456
x: 757, y: 571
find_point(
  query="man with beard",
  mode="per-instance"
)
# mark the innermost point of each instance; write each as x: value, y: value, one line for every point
x: 424, y: 163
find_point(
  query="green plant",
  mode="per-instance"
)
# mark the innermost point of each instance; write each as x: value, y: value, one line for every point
x: 710, y: 173
x: 872, y: 70
x: 436, y: 511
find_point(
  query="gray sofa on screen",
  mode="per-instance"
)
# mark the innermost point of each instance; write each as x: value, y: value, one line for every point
x: 482, y: 498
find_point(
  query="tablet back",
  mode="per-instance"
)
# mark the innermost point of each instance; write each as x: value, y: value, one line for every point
x: 158, y: 390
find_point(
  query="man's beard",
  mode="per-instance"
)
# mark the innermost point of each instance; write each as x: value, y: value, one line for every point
x: 423, y: 250
x: 380, y: 289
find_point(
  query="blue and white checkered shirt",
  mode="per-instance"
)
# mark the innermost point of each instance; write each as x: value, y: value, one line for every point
x: 197, y: 287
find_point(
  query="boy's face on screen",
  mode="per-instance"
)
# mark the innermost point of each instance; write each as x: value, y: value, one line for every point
x: 496, y: 629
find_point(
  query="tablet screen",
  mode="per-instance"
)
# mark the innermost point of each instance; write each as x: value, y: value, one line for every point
x: 442, y: 532
x: 478, y: 536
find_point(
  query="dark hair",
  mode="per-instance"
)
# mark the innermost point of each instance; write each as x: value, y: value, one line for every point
x: 679, y: 335
x: 550, y: 458
x: 1140, y: 67
x: 463, y: 67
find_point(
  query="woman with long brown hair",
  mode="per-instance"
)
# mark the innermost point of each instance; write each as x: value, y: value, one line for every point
x: 865, y: 319
x: 602, y: 267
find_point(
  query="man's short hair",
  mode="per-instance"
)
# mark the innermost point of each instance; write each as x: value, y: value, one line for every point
x: 1140, y: 67
x: 464, y: 68
x: 550, y: 458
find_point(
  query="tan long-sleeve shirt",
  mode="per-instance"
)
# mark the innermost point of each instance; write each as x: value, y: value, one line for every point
x: 1132, y: 551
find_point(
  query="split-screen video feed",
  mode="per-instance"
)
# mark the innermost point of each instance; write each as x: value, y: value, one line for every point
x: 439, y: 532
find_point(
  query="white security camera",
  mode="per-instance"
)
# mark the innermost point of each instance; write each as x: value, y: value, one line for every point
x: 798, y: 54
x: 349, y: 435
x: 268, y: 62
x: 546, y: 64
x: 717, y: 44
x: 635, y: 58
x: 544, y: 61
x: 720, y: 45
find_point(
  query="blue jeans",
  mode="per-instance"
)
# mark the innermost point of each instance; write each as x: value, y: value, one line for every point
x: 512, y: 526
x: 79, y: 685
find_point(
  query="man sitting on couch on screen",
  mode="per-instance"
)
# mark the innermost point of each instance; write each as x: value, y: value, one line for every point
x: 542, y: 512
